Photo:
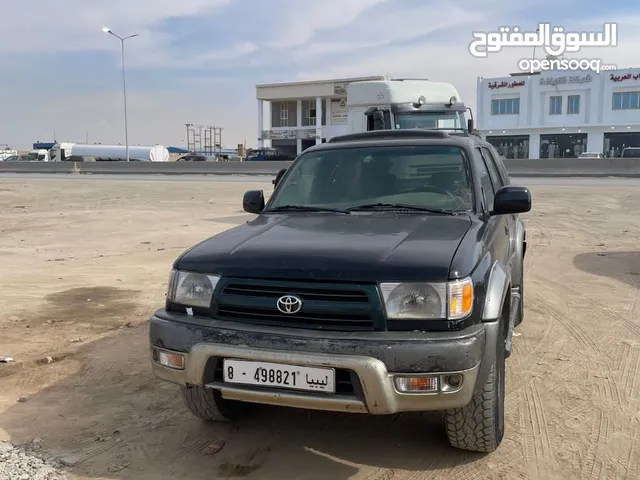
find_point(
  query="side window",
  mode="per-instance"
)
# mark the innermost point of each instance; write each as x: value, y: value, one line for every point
x: 485, y: 180
x: 493, y: 170
x: 502, y: 170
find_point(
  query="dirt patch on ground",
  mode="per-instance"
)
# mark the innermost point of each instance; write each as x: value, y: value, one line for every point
x: 85, y: 263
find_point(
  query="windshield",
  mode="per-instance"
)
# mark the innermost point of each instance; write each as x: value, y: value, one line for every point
x: 428, y: 177
x: 445, y: 120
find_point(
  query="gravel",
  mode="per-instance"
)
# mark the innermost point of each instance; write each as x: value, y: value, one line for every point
x: 18, y: 463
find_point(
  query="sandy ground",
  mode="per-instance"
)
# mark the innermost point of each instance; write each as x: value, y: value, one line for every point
x: 83, y: 264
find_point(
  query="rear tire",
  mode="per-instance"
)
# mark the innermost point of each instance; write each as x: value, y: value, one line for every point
x: 479, y: 426
x: 208, y: 404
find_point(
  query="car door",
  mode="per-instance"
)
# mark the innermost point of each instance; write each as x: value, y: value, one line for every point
x: 500, y: 178
x: 496, y: 236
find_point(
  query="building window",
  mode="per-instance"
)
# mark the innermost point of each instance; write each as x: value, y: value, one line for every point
x: 284, y: 114
x: 511, y: 146
x: 555, y: 105
x: 507, y: 106
x: 308, y: 113
x: 563, y: 145
x: 626, y: 100
x: 573, y: 104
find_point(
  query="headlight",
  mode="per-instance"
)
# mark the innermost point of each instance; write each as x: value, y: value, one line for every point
x: 191, y: 289
x: 428, y: 301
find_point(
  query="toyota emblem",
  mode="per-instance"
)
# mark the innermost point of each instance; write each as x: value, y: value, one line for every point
x: 289, y: 304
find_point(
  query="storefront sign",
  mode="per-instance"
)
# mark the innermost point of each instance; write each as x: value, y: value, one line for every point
x: 496, y: 85
x: 621, y: 78
x: 305, y: 134
x: 565, y: 80
x: 339, y: 112
x: 308, y: 134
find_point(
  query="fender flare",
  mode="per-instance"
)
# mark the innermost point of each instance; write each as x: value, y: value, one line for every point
x: 519, y: 252
x: 497, y: 286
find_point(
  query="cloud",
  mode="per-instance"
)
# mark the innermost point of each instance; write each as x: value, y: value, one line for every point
x: 76, y: 24
x: 303, y: 20
x: 447, y: 58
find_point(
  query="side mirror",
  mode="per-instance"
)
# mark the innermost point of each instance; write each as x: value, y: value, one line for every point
x: 511, y: 199
x: 279, y: 176
x: 253, y: 201
x: 470, y: 124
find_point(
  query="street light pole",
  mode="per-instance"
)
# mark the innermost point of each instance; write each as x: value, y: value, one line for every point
x: 124, y: 86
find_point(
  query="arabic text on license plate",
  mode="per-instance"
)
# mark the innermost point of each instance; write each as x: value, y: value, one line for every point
x: 279, y: 375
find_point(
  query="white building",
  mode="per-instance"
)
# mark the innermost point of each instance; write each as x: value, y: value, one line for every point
x: 560, y: 114
x: 294, y: 116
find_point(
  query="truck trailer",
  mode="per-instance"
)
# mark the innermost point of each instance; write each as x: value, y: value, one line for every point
x: 84, y: 152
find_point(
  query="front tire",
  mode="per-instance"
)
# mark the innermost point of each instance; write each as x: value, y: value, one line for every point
x: 479, y: 426
x: 208, y: 404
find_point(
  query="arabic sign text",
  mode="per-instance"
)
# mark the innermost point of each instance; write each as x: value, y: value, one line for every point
x: 621, y: 78
x: 496, y: 85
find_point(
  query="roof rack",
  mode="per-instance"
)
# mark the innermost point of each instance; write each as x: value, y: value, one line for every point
x: 390, y: 135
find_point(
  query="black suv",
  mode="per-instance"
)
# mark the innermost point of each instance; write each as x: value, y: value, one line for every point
x: 384, y: 275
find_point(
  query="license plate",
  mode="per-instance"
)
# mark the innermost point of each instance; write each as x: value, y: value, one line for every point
x: 279, y: 375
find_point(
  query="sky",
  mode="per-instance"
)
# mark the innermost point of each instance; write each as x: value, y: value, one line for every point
x: 198, y: 61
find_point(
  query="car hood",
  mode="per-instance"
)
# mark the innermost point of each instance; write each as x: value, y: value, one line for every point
x: 351, y: 248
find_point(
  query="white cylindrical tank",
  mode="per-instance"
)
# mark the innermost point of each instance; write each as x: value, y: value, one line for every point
x: 159, y: 153
x: 156, y: 153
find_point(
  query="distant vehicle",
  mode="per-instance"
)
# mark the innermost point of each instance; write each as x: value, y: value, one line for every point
x: 40, y: 155
x: 405, y: 104
x: 631, y: 152
x: 16, y: 158
x: 197, y: 158
x: 268, y: 154
x: 591, y: 155
x: 64, y: 151
x: 6, y: 153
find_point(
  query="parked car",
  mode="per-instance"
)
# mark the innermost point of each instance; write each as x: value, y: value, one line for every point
x: 197, y: 158
x: 591, y: 155
x: 385, y: 274
x: 268, y: 154
x: 631, y: 152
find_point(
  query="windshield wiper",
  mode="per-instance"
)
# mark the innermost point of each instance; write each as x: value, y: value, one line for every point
x: 304, y: 208
x: 399, y: 206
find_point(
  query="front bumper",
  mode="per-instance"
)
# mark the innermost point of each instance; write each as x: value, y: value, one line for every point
x: 372, y: 359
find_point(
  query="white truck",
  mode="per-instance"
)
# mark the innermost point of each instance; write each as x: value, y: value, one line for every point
x: 6, y: 153
x: 406, y: 103
x: 40, y: 155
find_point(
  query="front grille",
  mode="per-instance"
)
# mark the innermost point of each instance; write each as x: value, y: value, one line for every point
x: 306, y: 293
x: 324, y: 307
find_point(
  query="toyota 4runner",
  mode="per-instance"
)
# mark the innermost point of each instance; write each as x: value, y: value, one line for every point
x: 383, y: 275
